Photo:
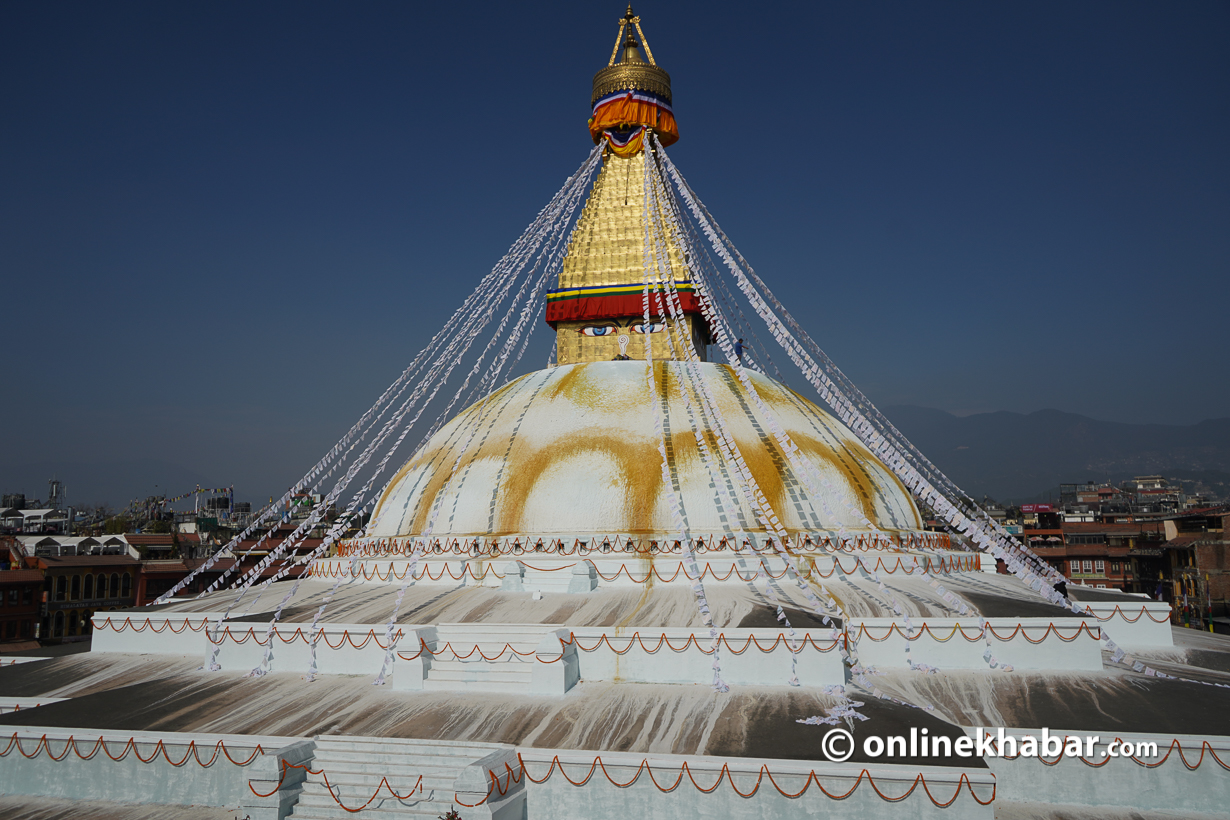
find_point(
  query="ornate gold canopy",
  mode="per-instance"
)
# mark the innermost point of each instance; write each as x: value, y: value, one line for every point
x: 631, y: 71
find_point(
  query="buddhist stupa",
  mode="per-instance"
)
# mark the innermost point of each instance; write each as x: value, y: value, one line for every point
x: 570, y: 452
x: 647, y: 581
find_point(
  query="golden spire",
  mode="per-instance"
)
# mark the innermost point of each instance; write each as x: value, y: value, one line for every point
x: 632, y: 54
x: 631, y: 72
x: 597, y: 308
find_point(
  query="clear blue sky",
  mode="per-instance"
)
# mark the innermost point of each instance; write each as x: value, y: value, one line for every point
x: 225, y: 227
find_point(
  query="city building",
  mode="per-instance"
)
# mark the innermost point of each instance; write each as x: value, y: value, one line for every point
x: 1179, y: 557
x: 159, y: 576
x: 1093, y: 553
x: 50, y: 521
x: 21, y: 599
x: 1193, y: 572
x: 31, y: 546
x: 165, y: 545
x: 76, y: 587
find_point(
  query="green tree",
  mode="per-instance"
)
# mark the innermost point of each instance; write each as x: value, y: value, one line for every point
x: 116, y: 525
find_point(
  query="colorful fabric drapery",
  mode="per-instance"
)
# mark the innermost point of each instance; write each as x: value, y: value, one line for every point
x: 625, y: 143
x: 621, y: 116
x: 609, y: 301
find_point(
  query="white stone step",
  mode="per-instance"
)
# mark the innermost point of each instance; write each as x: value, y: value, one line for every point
x: 356, y: 794
x: 492, y: 652
x: 326, y: 808
x: 314, y: 791
x: 404, y: 748
x: 360, y: 761
x: 349, y: 769
x: 463, y: 642
x: 546, y: 581
x: 474, y: 673
x: 498, y: 658
x: 474, y: 686
x: 475, y: 661
x: 433, y: 811
x: 402, y: 778
x: 432, y: 798
x: 356, y: 767
x: 494, y: 633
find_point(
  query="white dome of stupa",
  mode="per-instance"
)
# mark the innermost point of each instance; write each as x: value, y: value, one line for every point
x: 572, y: 452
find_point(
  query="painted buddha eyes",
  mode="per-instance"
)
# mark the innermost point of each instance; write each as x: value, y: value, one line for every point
x: 611, y: 330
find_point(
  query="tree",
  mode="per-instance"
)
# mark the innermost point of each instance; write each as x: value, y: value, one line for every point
x: 116, y: 525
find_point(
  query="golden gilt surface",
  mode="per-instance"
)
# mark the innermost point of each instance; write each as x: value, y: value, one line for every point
x: 641, y: 76
x: 608, y: 248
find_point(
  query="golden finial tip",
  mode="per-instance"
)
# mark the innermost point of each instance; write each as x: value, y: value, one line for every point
x: 631, y: 71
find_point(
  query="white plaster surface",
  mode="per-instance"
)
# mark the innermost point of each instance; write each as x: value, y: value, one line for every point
x: 27, y: 807
x: 1038, y: 643
x: 599, y: 799
x: 222, y: 784
x: 1129, y: 623
x: 640, y: 655
x: 590, y: 418
x: 1171, y: 786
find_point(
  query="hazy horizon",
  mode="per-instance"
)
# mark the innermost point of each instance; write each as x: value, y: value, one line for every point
x: 163, y: 477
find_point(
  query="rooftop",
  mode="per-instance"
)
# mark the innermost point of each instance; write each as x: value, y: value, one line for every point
x: 52, y: 561
x: 19, y: 576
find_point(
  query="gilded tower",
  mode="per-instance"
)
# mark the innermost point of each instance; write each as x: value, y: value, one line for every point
x: 597, y: 309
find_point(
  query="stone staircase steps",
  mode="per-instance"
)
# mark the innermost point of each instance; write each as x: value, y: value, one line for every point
x: 356, y: 767
x: 570, y: 577
x: 401, y: 778
x: 464, y: 636
x: 361, y: 761
x: 512, y: 649
x: 315, y: 802
x: 546, y: 580
x: 490, y: 651
x: 342, y: 744
x: 472, y: 686
x: 511, y: 670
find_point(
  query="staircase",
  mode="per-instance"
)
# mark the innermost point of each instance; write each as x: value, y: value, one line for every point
x: 580, y: 577
x: 453, y: 774
x: 528, y: 658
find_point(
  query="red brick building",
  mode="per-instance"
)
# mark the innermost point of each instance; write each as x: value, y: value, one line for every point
x: 164, y: 546
x: 21, y: 599
x: 158, y: 576
x: 1097, y: 554
x: 77, y: 586
x: 1196, y: 574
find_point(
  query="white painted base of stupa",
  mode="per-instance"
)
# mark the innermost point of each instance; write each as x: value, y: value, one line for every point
x: 261, y: 777
x: 746, y: 787
x: 549, y: 659
x: 553, y: 572
x: 515, y: 650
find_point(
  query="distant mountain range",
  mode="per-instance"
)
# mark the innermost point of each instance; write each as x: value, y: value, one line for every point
x: 1011, y: 457
x: 1016, y: 458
